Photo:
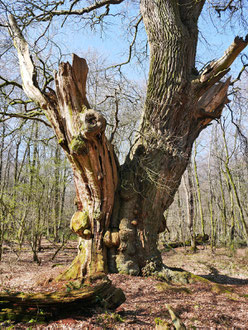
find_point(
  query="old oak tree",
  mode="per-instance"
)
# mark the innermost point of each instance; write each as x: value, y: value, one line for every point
x: 120, y: 208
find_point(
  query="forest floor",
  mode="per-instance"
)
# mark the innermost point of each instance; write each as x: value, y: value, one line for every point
x: 220, y: 305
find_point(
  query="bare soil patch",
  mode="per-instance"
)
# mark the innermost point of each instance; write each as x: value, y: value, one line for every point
x: 221, y: 305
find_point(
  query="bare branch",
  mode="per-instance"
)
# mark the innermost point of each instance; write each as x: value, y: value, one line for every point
x: 116, y: 118
x: 19, y: 101
x: 243, y: 138
x: 245, y: 65
x: 226, y: 60
x: 27, y: 69
x: 223, y: 8
x: 136, y: 26
x: 7, y: 83
x: 79, y: 12
x: 23, y: 116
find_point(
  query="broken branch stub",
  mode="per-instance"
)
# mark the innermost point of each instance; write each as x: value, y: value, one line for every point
x: 219, y: 68
x: 93, y: 124
x: 212, y: 102
x: 80, y: 72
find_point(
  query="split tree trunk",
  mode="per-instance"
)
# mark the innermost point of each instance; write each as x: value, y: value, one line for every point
x: 80, y: 132
x: 120, y: 210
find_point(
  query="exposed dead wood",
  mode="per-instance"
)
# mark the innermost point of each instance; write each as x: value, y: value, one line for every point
x: 177, y: 322
x: 212, y: 102
x: 81, y: 132
x: 80, y: 71
x: 21, y: 306
x: 29, y: 81
x: 219, y: 68
x: 210, y: 91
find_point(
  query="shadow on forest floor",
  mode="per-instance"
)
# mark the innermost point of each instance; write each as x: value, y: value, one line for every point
x: 202, y: 306
x: 222, y: 267
x: 214, y: 276
x: 224, y: 279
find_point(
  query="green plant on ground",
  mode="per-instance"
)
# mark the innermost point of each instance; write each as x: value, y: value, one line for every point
x: 161, y: 324
x: 109, y: 320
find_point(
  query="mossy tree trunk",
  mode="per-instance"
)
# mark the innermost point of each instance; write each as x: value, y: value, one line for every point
x: 120, y: 210
x: 180, y: 103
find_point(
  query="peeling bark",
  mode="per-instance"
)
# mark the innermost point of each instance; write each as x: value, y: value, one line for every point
x: 80, y: 132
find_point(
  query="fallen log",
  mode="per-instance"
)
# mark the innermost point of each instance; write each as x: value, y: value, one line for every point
x: 199, y: 240
x: 44, y: 306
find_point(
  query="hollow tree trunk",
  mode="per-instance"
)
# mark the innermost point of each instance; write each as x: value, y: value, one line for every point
x: 80, y: 132
x: 94, y: 167
x: 120, y: 210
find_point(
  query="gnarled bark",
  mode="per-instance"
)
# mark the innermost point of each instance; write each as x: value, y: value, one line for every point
x: 180, y: 103
x: 80, y: 132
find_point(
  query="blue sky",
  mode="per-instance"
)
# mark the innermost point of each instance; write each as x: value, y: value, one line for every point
x: 215, y: 36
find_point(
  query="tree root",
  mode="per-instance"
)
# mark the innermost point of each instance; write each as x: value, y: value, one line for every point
x: 173, y: 279
x: 173, y: 275
x: 178, y: 276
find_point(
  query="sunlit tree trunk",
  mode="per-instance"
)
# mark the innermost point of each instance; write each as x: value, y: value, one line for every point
x: 22, y: 224
x: 198, y: 192
x: 57, y: 201
x: 190, y: 205
x: 223, y: 207
x: 2, y: 146
x: 233, y: 186
x: 2, y: 206
x: 181, y: 216
x: 173, y: 118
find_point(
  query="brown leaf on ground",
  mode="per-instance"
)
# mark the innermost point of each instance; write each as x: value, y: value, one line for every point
x: 199, y: 305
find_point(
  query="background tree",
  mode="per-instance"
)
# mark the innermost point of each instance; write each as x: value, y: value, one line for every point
x: 211, y: 158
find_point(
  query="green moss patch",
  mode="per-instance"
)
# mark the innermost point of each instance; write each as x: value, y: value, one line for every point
x: 164, y: 287
x: 78, y: 145
x: 80, y: 222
